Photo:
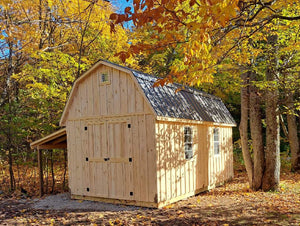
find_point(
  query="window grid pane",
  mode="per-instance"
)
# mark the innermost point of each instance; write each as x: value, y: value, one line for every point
x: 216, y: 141
x: 188, y: 142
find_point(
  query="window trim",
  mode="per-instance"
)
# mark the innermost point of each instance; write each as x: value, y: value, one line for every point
x: 188, y: 151
x: 216, y: 129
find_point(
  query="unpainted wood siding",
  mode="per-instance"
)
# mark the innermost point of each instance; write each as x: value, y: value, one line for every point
x: 220, y: 166
x: 111, y: 121
x: 120, y: 97
x: 177, y: 176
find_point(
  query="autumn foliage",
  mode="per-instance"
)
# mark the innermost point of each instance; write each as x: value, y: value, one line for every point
x: 218, y: 46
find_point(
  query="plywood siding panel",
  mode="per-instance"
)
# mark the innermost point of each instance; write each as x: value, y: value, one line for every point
x: 124, y: 92
x: 131, y: 96
x: 143, y: 159
x: 104, y: 95
x: 173, y: 160
x: 84, y: 155
x: 168, y: 160
x: 111, y: 169
x: 90, y: 95
x: 183, y: 180
x: 128, y: 167
x: 116, y: 92
x: 83, y: 97
x: 72, y: 110
x: 178, y: 160
x: 136, y: 157
x: 162, y: 161
x: 230, y: 147
x: 221, y: 168
x: 210, y: 157
x: 221, y: 165
x: 198, y: 163
x: 151, y: 158
x: 158, y: 160
x: 91, y: 153
x: 109, y: 98
x: 139, y: 101
x: 71, y: 154
x: 79, y: 187
x: 77, y: 102
x: 204, y: 157
x: 96, y: 94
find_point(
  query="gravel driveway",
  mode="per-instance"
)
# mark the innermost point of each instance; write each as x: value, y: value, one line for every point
x: 64, y: 202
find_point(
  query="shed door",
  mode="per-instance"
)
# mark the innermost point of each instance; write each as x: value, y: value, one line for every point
x: 110, y: 162
x: 98, y: 169
x: 120, y: 175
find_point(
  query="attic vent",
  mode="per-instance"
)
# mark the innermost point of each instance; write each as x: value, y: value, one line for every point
x: 104, y: 78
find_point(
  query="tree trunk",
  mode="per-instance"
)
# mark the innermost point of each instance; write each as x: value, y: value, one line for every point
x: 244, y: 126
x: 11, y: 172
x: 272, y: 173
x: 293, y: 134
x: 256, y: 136
x: 41, y: 175
x: 52, y: 171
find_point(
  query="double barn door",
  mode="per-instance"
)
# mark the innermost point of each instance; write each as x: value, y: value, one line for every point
x: 109, y: 161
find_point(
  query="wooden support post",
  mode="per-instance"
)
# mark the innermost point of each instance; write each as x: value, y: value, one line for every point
x: 40, y: 166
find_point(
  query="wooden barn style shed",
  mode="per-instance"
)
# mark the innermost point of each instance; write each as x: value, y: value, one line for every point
x: 134, y: 144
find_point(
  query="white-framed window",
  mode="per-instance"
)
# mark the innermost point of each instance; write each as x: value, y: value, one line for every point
x: 104, y: 78
x: 188, y: 142
x: 216, y: 141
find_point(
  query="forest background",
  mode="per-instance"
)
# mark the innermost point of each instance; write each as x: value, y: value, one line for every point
x: 245, y: 52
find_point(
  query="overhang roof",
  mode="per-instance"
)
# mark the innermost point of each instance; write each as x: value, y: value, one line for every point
x: 54, y: 140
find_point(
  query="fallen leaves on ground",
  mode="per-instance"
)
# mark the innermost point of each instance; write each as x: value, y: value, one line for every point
x: 231, y: 204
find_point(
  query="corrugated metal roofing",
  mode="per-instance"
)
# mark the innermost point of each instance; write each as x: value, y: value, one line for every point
x: 188, y: 103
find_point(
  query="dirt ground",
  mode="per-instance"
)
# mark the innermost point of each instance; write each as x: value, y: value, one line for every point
x: 231, y: 204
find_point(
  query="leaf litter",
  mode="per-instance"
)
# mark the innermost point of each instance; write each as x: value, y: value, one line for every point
x: 231, y: 204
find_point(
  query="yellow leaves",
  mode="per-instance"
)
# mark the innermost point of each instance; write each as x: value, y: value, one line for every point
x: 50, y: 3
x: 52, y: 222
x: 168, y: 207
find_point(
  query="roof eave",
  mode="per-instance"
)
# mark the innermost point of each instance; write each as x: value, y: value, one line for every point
x: 48, y: 138
x: 190, y: 121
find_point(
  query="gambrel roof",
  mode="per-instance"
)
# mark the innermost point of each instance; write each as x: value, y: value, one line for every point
x: 188, y: 103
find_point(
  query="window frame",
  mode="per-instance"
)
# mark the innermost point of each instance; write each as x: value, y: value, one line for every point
x: 216, y: 131
x: 188, y: 142
x: 100, y: 76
